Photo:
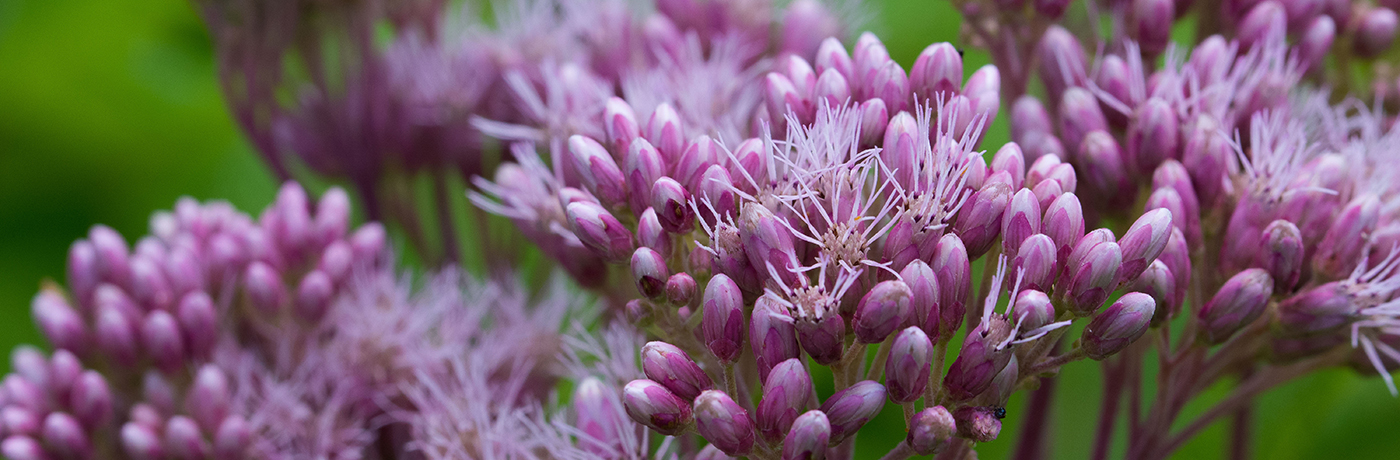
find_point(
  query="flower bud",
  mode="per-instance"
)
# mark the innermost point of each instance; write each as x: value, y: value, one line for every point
x: 1093, y: 278
x: 937, y: 73
x: 262, y: 284
x: 1267, y: 19
x: 1338, y: 251
x: 890, y: 84
x: 1064, y: 224
x: 183, y: 439
x: 702, y: 153
x: 597, y: 169
x: 977, y: 423
x: 673, y: 368
x: 850, y: 408
x: 931, y: 430
x: 231, y: 441
x: 59, y: 322
x: 25, y: 394
x: 873, y: 118
x: 671, y: 201
x: 1114, y: 77
x: 809, y: 437
x: 772, y: 335
x: 599, y: 230
x: 832, y: 89
x: 786, y: 391
x: 113, y: 262
x: 1101, y: 165
x: 1151, y: 24
x: 1036, y: 262
x: 1152, y: 134
x: 1316, y: 41
x: 651, y: 234
x: 1239, y: 302
x: 803, y: 77
x: 594, y: 412
x: 141, y: 442
x: 983, y: 91
x: 979, y: 221
x: 208, y: 399
x: 22, y: 447
x: 1143, y: 242
x: 1171, y: 174
x: 1022, y: 220
x: 923, y: 300
x: 723, y: 324
x: 148, y: 284
x: 832, y: 55
x: 1318, y: 310
x: 768, y: 241
x: 1282, y: 254
x: 954, y: 271
x: 1028, y: 115
x: 681, y: 289
x: 723, y: 423
x: 1177, y: 257
x: 1158, y: 282
x: 907, y: 368
x: 199, y: 321
x: 620, y: 124
x: 65, y: 437
x: 18, y: 421
x: 881, y: 311
x: 162, y: 340
x: 823, y: 337
x: 900, y: 147
x: 1032, y: 309
x: 1205, y: 155
x: 1375, y: 31
x: 664, y: 131
x: 1079, y: 116
x: 716, y: 186
x: 782, y: 97
x: 981, y: 358
x: 1010, y: 159
x: 115, y: 335
x: 1115, y: 328
x: 649, y: 272
x: 1062, y: 62
x: 91, y: 400
x: 314, y: 296
x: 651, y: 404
x: 643, y: 167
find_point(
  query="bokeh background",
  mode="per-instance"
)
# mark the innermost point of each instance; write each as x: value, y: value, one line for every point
x: 109, y: 110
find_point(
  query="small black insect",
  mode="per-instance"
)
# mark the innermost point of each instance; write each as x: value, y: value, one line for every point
x: 999, y: 412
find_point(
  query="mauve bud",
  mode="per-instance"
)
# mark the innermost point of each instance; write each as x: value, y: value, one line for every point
x: 881, y: 311
x: 262, y: 285
x: 1003, y: 384
x: 1239, y: 302
x: 710, y: 452
x: 979, y: 221
x: 1159, y: 283
x: 850, y: 408
x: 937, y: 71
x: 1032, y: 309
x: 60, y: 323
x: 1062, y: 61
x: 83, y: 270
x: 768, y: 241
x: 599, y: 230
x: 976, y: 172
x: 199, y: 322
x: 22, y: 393
x: 141, y: 442
x: 620, y: 123
x: 1118, y: 326
x: 1113, y: 76
x: 874, y: 115
x: 148, y: 284
x: 900, y: 147
x: 91, y: 400
x: 1022, y: 220
x: 162, y: 340
x: 231, y: 441
x: 1079, y: 116
x: 64, y: 373
x: 594, y: 411
x: 28, y: 362
x: 923, y: 302
x: 976, y: 423
x: 1010, y: 159
x: 1152, y: 134
x: 823, y: 338
x: 809, y: 437
x: 665, y: 132
x: 1375, y: 31
x: 1316, y: 41
x: 907, y: 368
x: 183, y: 439
x: 1101, y: 165
x: 314, y: 296
x: 643, y: 167
x: 65, y: 437
x: 681, y: 289
x: 672, y: 204
x: 1143, y: 242
x: 1064, y: 224
x: 723, y: 323
x: 890, y: 84
x: 1267, y: 19
x: 1326, y: 308
x: 716, y: 186
x: 651, y: 404
x: 868, y: 57
x: 1093, y: 278
x: 954, y: 271
x: 668, y: 365
x: 702, y: 153
x: 208, y: 398
x: 805, y: 24
x: 782, y: 97
x: 651, y: 234
x: 723, y: 423
x: 1282, y: 254
x: 17, y: 421
x: 146, y: 415
x: 800, y: 73
x: 832, y: 55
x: 112, y: 254
x: 931, y: 430
x: 786, y: 391
x: 1036, y: 262
x: 649, y: 272
x: 832, y: 88
x: 979, y: 361
x: 1028, y: 115
x: 115, y: 334
x: 772, y: 335
x: 1151, y: 24
x: 1206, y: 153
x: 22, y: 447
x: 1338, y: 251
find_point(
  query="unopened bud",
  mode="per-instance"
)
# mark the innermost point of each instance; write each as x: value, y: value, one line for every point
x: 772, y: 335
x: 785, y: 394
x: 809, y: 437
x: 979, y: 221
x: 723, y: 423
x: 850, y: 408
x: 649, y: 272
x: 1093, y: 278
x: 1376, y: 31
x: 976, y: 423
x: 651, y: 404
x: 60, y: 323
x: 723, y: 323
x: 950, y: 262
x: 931, y: 430
x: 599, y: 230
x: 881, y: 311
x: 1143, y: 242
x: 907, y: 368
x: 1239, y: 302
x: 673, y: 368
x: 1032, y: 309
x: 1158, y: 282
x: 1282, y: 254
x: 1115, y: 328
x: 1317, y: 310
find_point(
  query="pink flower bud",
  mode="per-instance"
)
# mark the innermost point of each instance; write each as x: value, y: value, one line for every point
x: 113, y: 264
x: 162, y: 340
x: 716, y: 187
x: 148, y: 284
x: 672, y: 204
x: 599, y: 231
x: 1062, y: 62
x: 665, y: 132
x: 651, y: 404
x: 83, y: 270
x: 1064, y: 224
x: 1159, y: 283
x: 979, y: 221
x: 1079, y: 116
x: 1282, y: 254
x: 1115, y: 328
x: 889, y: 83
x: 768, y: 242
x: 850, y: 408
x: 1339, y: 251
x: 651, y: 234
x: 1010, y: 159
x: 1143, y: 242
x: 1239, y: 302
x: 620, y: 124
x: 782, y: 97
x: 772, y: 335
x: 1375, y: 31
x: 937, y: 73
x: 901, y: 142
x: 868, y: 58
x: 923, y: 302
x: 1316, y: 41
x: 19, y: 421
x: 141, y: 442
x: 91, y: 400
x: 681, y: 289
x: 1036, y: 262
x: 809, y: 437
x: 1151, y: 24
x: 65, y: 437
x: 643, y: 167
x: 1113, y: 77
x: 1205, y: 156
x: 832, y: 88
x: 1101, y: 164
x: 786, y: 391
x: 954, y: 271
x: 907, y: 368
x: 823, y: 337
x: 231, y: 441
x: 1318, y: 310
x: 314, y: 296
x: 1040, y: 170
x: 832, y: 55
x: 1265, y: 20
x: 979, y: 361
x: 208, y: 398
x: 59, y: 322
x: 977, y: 423
x: 699, y: 155
x: 723, y: 423
x: 1022, y: 220
x: 199, y: 321
x: 931, y: 430
x: 22, y: 447
x: 183, y: 439
x: 1032, y: 309
x: 597, y: 169
x: 649, y: 272
x: 805, y: 24
x: 668, y: 365
x: 1028, y: 115
x: 873, y: 118
x: 881, y: 311
x: 262, y: 286
x: 750, y: 162
x: 595, y: 414
x: 1093, y: 278
x: 723, y: 324
x: 1153, y: 133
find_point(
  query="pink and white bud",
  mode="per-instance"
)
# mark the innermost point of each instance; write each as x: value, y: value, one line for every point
x: 1101, y: 164
x: 1267, y: 19
x: 767, y: 241
x: 649, y: 272
x: 65, y: 437
x: 1032, y: 309
x: 90, y: 400
x: 805, y: 24
x: 786, y: 391
x: 141, y: 442
x: 59, y: 322
x: 1339, y: 251
x: 183, y: 439
x: 852, y: 407
x: 1282, y: 254
x: 199, y: 322
x: 1239, y: 302
x: 1079, y: 116
x: 979, y: 222
x: 881, y: 311
x: 620, y: 124
x: 772, y: 335
x: 1093, y: 278
x: 681, y: 289
x: 1152, y: 133
x: 599, y: 231
x: 908, y: 365
x: 1064, y: 224
x: 1151, y: 24
x: 113, y: 257
x: 832, y: 55
x: 831, y: 88
x: 651, y: 234
x: 651, y: 404
x: 1205, y: 154
x: 715, y: 186
x: 782, y: 97
x: 937, y: 73
x: 1375, y: 31
x: 1159, y: 283
x: 1010, y: 159
x: 1316, y: 42
x: 723, y: 323
x: 1143, y: 242
x: 232, y: 439
x: 723, y: 423
x: 931, y: 431
x: 954, y: 269
x: 869, y: 57
x: 900, y: 147
x: 665, y: 132
x: 699, y: 155
x: 162, y: 340
x: 595, y: 414
x: 643, y: 167
x: 1028, y: 116
x: 809, y: 437
x: 23, y: 447
x: 314, y: 296
x: 923, y: 303
x: 1062, y: 62
x: 1022, y: 220
x: 890, y: 84
x: 1035, y: 261
x: 1322, y: 309
x: 262, y: 286
x: 977, y: 423
x: 874, y: 115
x: 823, y: 338
x: 673, y: 368
x: 1117, y: 327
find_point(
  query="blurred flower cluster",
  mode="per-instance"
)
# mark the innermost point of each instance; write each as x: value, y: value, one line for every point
x: 757, y: 207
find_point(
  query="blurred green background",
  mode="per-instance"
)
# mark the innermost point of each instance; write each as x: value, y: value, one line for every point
x: 109, y: 110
